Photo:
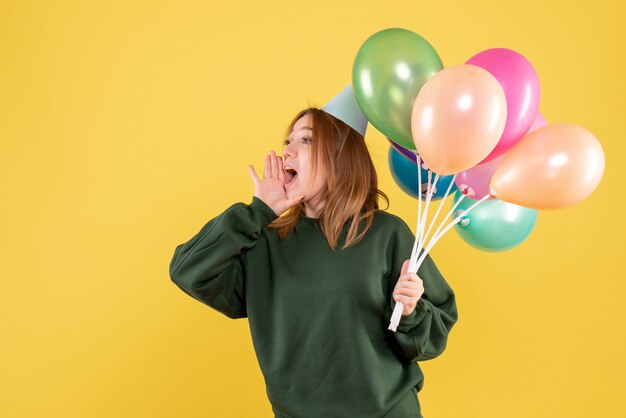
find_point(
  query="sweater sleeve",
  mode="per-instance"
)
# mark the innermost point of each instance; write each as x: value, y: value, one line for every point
x: 423, y: 334
x: 209, y: 267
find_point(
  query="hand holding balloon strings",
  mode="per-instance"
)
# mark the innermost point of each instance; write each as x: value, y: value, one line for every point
x: 418, y: 256
x: 408, y: 289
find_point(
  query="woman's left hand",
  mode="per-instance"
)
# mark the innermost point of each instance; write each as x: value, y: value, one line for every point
x: 408, y: 290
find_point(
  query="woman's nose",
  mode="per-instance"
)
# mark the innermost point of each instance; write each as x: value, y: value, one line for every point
x: 288, y: 152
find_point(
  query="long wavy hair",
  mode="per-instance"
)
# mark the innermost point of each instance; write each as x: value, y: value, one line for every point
x: 351, y: 190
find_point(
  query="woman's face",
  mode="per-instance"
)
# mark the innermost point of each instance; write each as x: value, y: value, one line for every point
x: 297, y: 162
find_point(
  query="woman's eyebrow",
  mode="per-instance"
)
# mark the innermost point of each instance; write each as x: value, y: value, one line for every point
x: 306, y: 127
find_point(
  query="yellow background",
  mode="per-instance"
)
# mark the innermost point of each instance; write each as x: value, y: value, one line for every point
x: 126, y: 126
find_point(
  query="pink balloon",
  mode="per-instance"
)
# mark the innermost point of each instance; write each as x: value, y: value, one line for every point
x: 520, y: 84
x: 474, y: 182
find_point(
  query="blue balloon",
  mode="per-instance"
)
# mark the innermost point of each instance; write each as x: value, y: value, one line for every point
x: 404, y: 172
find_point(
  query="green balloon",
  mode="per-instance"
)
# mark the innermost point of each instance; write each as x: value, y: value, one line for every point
x: 389, y: 71
x: 494, y: 225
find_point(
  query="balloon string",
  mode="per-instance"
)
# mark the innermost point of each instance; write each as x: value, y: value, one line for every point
x: 414, y: 266
x: 432, y: 223
x: 419, y: 232
x: 456, y: 220
x: 429, y: 195
x: 414, y: 252
x: 419, y: 236
x: 399, y: 306
x: 443, y: 221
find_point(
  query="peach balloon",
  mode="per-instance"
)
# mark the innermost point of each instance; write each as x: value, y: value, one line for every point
x: 553, y: 167
x: 458, y: 118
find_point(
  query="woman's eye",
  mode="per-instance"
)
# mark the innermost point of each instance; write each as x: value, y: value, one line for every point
x: 302, y: 140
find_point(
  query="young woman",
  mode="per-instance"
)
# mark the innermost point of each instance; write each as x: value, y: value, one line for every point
x: 319, y: 283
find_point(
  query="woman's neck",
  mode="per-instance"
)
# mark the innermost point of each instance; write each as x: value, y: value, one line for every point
x: 313, y: 208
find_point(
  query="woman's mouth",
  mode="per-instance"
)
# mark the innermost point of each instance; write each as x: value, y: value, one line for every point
x: 290, y: 176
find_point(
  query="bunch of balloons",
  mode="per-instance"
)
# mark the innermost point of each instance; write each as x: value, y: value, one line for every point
x: 477, y: 123
x: 474, y: 127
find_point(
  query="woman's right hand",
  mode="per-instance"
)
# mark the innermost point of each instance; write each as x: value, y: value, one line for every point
x: 271, y: 190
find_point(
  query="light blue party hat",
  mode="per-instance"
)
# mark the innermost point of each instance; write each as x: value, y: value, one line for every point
x: 345, y: 108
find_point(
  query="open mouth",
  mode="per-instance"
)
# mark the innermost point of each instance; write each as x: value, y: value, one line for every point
x: 290, y: 175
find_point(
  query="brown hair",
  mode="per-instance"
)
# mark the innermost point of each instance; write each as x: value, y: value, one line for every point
x: 351, y: 190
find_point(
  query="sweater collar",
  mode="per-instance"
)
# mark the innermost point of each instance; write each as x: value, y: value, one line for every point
x: 308, y: 223
x: 312, y: 224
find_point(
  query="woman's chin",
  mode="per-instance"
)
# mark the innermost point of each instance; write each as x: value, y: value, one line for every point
x: 292, y: 193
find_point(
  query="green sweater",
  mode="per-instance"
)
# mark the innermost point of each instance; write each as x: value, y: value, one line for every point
x: 318, y: 317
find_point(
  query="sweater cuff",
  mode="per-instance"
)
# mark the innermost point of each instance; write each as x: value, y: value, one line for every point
x: 412, y: 320
x: 263, y: 211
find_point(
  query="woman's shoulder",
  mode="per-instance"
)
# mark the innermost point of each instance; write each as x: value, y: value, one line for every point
x: 393, y: 228
x: 386, y: 219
